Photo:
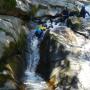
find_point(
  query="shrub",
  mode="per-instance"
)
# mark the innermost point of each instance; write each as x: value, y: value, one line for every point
x: 13, y: 57
x: 7, y: 4
x: 74, y: 24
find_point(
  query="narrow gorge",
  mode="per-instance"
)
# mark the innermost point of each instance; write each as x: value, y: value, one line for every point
x: 59, y: 60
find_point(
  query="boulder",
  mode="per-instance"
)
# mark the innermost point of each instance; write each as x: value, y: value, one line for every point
x: 63, y: 54
x: 45, y: 7
x: 37, y: 8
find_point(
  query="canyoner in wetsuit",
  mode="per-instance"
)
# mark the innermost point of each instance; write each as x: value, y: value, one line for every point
x: 39, y: 31
x: 65, y: 14
x: 83, y: 12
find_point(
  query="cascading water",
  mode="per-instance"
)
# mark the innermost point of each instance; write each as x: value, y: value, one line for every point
x: 35, y: 82
x: 31, y: 79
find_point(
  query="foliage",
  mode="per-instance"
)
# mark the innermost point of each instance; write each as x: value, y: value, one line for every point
x: 34, y: 10
x: 12, y: 56
x: 15, y: 48
x: 74, y: 26
x: 7, y: 4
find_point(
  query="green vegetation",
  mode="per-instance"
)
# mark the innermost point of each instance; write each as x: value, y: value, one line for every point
x: 76, y: 25
x: 15, y: 47
x: 7, y: 4
x: 35, y: 9
x: 2, y: 80
x: 12, y: 60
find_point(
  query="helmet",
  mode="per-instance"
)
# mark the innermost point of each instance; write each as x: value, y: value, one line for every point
x: 42, y: 27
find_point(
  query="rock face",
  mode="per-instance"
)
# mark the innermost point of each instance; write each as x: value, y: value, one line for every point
x: 11, y: 8
x: 12, y: 63
x: 10, y: 28
x: 64, y: 57
x: 13, y: 32
x: 47, y: 7
x: 23, y: 5
x: 52, y: 7
x: 24, y: 9
x: 64, y: 54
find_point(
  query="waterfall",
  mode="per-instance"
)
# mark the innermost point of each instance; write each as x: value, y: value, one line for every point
x: 34, y: 81
x: 31, y: 79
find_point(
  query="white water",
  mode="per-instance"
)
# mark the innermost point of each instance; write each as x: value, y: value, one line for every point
x: 35, y: 82
x: 32, y: 80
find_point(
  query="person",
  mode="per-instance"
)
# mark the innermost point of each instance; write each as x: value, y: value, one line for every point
x: 65, y: 14
x: 83, y: 12
x: 39, y: 31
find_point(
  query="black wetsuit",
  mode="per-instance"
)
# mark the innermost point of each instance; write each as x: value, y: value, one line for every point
x: 65, y: 14
x: 83, y: 12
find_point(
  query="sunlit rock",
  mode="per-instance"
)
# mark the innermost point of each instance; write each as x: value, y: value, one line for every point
x: 47, y: 7
x: 66, y: 55
x: 23, y: 5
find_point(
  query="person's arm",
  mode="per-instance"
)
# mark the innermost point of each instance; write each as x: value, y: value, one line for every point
x: 88, y: 13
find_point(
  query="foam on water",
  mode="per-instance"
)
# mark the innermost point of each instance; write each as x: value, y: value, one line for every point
x: 31, y: 79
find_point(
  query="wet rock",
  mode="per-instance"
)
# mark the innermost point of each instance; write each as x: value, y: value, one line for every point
x: 11, y: 8
x: 10, y: 28
x: 62, y: 53
x: 23, y: 9
x: 23, y: 5
x: 44, y: 63
x: 45, y: 7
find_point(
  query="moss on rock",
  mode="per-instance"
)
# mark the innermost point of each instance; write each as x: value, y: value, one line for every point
x: 74, y: 23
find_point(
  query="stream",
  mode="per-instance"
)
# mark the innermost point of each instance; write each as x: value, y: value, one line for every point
x: 31, y: 79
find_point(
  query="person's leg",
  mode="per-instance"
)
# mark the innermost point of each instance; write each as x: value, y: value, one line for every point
x: 39, y: 35
x: 51, y: 20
